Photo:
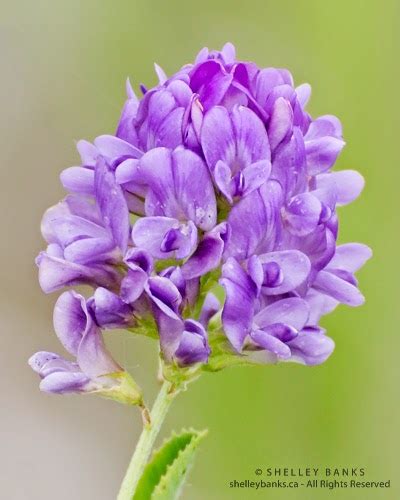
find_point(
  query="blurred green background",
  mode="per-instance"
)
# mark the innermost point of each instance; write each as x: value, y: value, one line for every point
x: 64, y: 65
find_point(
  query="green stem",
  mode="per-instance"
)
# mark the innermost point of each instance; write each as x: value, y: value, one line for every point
x: 146, y: 441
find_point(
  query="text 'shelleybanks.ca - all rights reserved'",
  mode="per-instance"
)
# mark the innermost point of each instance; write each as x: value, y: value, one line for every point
x: 311, y: 478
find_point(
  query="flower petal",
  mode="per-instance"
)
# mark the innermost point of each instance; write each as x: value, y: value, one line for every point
x: 311, y: 348
x: 322, y: 153
x: 211, y: 306
x: 55, y: 273
x: 327, y: 125
x: 250, y: 136
x: 70, y: 319
x: 154, y: 234
x: 302, y: 214
x: 193, y: 346
x: 295, y: 267
x: 255, y: 175
x: 271, y: 344
x: 132, y: 286
x: 293, y: 312
x: 303, y: 93
x: 78, y: 180
x: 110, y: 311
x: 254, y: 222
x: 237, y: 314
x: 347, y: 184
x: 339, y: 289
x: 66, y: 382
x: 217, y: 137
x: 112, y: 148
x: 350, y: 257
x: 112, y: 204
x: 281, y: 122
x: 190, y: 172
x: 208, y: 253
x: 166, y: 299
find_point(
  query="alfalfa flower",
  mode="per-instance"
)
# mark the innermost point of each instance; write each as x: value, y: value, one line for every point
x: 209, y: 222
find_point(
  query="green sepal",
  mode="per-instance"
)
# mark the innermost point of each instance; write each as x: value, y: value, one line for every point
x: 146, y: 326
x: 223, y: 355
x: 124, y: 391
x: 179, y: 376
x: 164, y: 475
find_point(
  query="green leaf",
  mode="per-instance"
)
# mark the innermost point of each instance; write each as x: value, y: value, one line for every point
x: 165, y: 474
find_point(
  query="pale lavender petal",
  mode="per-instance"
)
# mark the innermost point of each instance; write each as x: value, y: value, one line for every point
x: 294, y: 266
x: 311, y: 348
x: 250, y: 136
x: 339, y: 289
x: 302, y: 214
x: 132, y: 286
x: 256, y: 271
x: 254, y: 222
x: 322, y: 153
x: 237, y: 315
x: 90, y: 250
x: 347, y: 184
x: 83, y: 207
x: 110, y: 311
x: 126, y: 126
x: 66, y: 382
x: 155, y: 171
x: 211, y: 306
x: 229, y: 53
x: 112, y: 147
x: 126, y: 172
x: 281, y: 122
x: 292, y: 311
x: 350, y: 257
x: 164, y: 237
x: 267, y: 79
x: 289, y: 164
x: 327, y: 125
x: 223, y: 177
x: 181, y: 92
x: 55, y: 273
x: 112, y: 204
x: 190, y: 172
x: 72, y: 228
x: 255, y: 175
x: 303, y: 93
x: 78, y: 180
x: 38, y: 360
x: 70, y: 319
x: 217, y: 137
x: 169, y: 133
x: 88, y: 153
x: 162, y: 77
x: 271, y: 344
x: 320, y: 305
x: 93, y: 357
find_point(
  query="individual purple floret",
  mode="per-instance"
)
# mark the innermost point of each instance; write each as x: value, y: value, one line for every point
x: 82, y: 338
x: 209, y: 221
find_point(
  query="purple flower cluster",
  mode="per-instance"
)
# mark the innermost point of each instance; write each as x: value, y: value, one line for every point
x: 216, y: 175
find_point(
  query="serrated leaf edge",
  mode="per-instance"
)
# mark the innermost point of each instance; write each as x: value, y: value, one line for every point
x: 197, y: 437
